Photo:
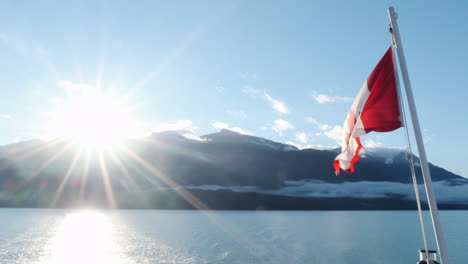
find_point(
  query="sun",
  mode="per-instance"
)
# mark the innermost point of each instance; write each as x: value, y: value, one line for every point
x: 93, y: 119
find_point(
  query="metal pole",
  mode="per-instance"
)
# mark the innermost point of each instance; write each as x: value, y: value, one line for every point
x: 409, y: 153
x: 419, y: 142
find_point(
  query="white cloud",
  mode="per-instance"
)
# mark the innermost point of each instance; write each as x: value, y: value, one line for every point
x: 241, y: 131
x: 238, y: 114
x: 178, y: 125
x: 185, y: 128
x: 323, y: 98
x: 222, y: 125
x: 219, y: 88
x: 369, y: 143
x: 281, y: 125
x: 312, y: 120
x: 300, y: 146
x: 337, y: 133
x: 276, y: 104
x: 302, y: 137
x: 194, y: 137
x: 297, y: 145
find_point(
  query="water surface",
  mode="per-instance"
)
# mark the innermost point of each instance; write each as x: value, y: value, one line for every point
x: 139, y: 236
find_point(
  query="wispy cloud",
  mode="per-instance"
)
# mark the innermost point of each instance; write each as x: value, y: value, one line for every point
x: 237, y: 114
x: 13, y: 43
x: 314, y: 121
x: 247, y: 76
x: 24, y: 48
x: 45, y: 56
x: 281, y: 125
x: 427, y: 135
x: 222, y: 125
x: 252, y: 91
x: 219, y: 88
x: 178, y: 125
x: 324, y: 98
x: 276, y: 104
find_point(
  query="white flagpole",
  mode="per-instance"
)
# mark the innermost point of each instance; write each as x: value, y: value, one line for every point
x: 419, y: 142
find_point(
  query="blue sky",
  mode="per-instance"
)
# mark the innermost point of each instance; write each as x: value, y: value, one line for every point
x: 283, y: 70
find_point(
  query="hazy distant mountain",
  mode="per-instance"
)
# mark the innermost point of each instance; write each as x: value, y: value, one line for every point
x: 223, y: 170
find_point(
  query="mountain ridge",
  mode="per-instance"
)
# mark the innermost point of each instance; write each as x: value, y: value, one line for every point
x: 222, y: 164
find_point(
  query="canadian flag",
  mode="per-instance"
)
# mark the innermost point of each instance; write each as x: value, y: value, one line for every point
x: 376, y: 108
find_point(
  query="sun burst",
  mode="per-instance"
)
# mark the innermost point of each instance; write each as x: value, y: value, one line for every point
x: 94, y: 119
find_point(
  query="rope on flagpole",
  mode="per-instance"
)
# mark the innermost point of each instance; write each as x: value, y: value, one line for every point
x: 415, y: 185
x: 419, y: 142
x: 409, y: 153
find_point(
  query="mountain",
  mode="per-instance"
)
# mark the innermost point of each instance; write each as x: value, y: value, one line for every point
x: 223, y: 170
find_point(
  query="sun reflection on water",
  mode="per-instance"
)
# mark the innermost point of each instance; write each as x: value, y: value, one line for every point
x: 84, y: 237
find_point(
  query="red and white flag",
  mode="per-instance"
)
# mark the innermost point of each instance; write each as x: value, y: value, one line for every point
x: 376, y: 108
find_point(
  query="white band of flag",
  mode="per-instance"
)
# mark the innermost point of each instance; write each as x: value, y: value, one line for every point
x: 376, y: 108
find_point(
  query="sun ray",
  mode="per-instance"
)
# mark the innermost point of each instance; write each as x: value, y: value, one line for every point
x: 84, y: 176
x: 185, y: 152
x: 127, y: 175
x: 169, y: 58
x: 106, y: 182
x: 59, y: 190
x: 141, y: 172
x: 230, y: 230
x: 195, y: 202
x: 30, y: 153
x: 41, y: 168
x: 43, y: 56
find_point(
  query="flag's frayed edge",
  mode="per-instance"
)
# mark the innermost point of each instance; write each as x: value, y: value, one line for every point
x: 336, y: 163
